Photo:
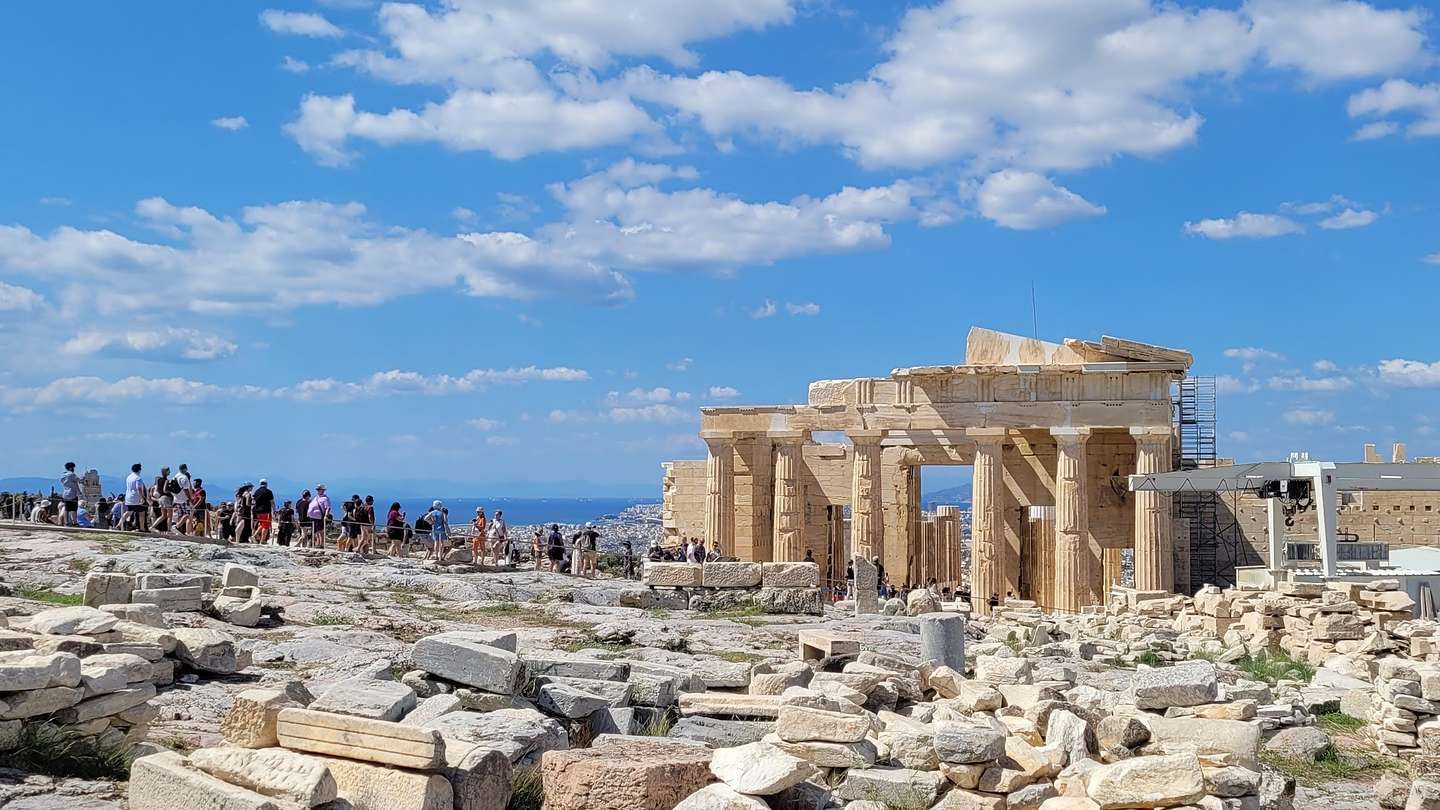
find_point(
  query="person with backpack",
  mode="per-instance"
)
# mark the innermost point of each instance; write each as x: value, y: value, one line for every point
x: 555, y: 548
x: 587, y: 551
x: 264, y: 508
x: 481, y: 526
x: 439, y: 519
x: 163, y: 496
x: 319, y: 513
x: 244, y: 513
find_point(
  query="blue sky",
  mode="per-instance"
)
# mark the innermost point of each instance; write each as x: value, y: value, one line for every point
x: 510, y: 241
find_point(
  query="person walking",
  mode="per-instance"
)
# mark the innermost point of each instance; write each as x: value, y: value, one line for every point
x: 302, y: 513
x: 367, y: 525
x: 395, y: 529
x: 499, y: 538
x: 319, y: 513
x: 263, y: 507
x: 245, y: 513
x: 480, y: 538
x: 69, y: 496
x: 199, y: 509
x: 285, y: 524
x: 136, y: 501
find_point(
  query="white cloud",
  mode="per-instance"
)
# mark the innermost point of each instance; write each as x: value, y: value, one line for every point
x: 462, y: 214
x: 658, y: 412
x: 482, y: 424
x: 1230, y: 384
x: 1239, y: 436
x: 1433, y: 258
x: 722, y: 392
x: 1252, y: 354
x: 683, y: 364
x: 160, y: 344
x: 1026, y: 201
x: 1326, y: 39
x: 1349, y: 218
x: 94, y: 390
x: 765, y: 310
x: 60, y: 201
x: 657, y: 394
x: 191, y: 435
x: 807, y: 309
x: 299, y: 24
x: 1244, y: 225
x: 1324, y: 366
x: 116, y: 436
x: 1296, y: 382
x: 500, y: 441
x: 292, y: 65
x: 231, y: 122
x: 1419, y: 102
x: 18, y: 299
x: 395, y: 381
x: 1410, y: 373
x: 1308, y: 416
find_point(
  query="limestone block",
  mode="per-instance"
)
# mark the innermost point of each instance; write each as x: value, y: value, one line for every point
x: 523, y: 735
x: 1337, y: 626
x: 468, y: 658
x: 11, y: 641
x: 252, y: 718
x: 576, y: 668
x: 360, y: 738
x: 624, y: 773
x: 963, y: 743
x: 79, y: 645
x: 481, y: 779
x: 790, y: 575
x: 146, y: 650
x: 803, y: 724
x: 654, y: 690
x: 107, y: 704
x: 1234, y: 742
x: 239, y: 576
x: 9, y: 735
x: 719, y: 704
x: 895, y: 787
x: 730, y: 575
x: 568, y: 701
x: 162, y: 672
x: 144, y: 632
x: 720, y: 796
x: 107, y: 589
x: 861, y: 754
x: 76, y: 620
x: 722, y: 733
x: 1161, y: 781
x: 204, y: 582
x: 23, y: 672
x: 237, y: 611
x: 961, y: 799
x: 209, y: 650
x: 995, y: 669
x: 759, y: 769
x: 170, y: 600
x: 1189, y: 684
x: 19, y: 705
x: 430, y: 708
x: 817, y: 644
x: 672, y: 575
x: 164, y: 782
x: 275, y: 772
x: 376, y: 700
x: 364, y: 786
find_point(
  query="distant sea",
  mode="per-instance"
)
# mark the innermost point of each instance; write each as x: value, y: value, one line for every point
x: 518, y: 511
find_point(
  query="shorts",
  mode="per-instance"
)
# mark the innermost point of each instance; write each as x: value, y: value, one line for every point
x: 72, y: 506
x: 557, y: 553
x: 136, y: 508
x: 167, y: 501
x: 263, y: 520
x: 318, y: 524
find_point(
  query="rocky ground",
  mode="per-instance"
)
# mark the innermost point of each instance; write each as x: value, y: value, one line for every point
x: 338, y: 614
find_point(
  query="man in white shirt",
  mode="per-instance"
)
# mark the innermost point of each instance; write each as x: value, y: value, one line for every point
x: 69, y: 496
x: 182, y: 501
x: 136, y: 501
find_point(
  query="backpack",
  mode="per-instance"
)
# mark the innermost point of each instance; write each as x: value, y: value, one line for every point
x: 172, y: 486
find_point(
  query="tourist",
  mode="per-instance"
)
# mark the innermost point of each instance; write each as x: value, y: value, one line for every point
x: 880, y: 580
x: 263, y: 507
x: 395, y: 529
x: 537, y: 547
x: 69, y: 495
x: 164, y: 495
x: 586, y: 542
x: 556, y: 550
x: 439, y: 518
x: 186, y: 487
x: 481, y: 536
x: 245, y: 513
x: 136, y: 499
x: 285, y: 518
x: 302, y: 514
x: 809, y: 556
x: 628, y: 553
x: 500, y: 538
x: 319, y: 513
x: 367, y: 525
x: 199, y: 509
x: 82, y: 518
x: 41, y: 513
x: 850, y: 580
x: 117, y: 513
x: 933, y: 586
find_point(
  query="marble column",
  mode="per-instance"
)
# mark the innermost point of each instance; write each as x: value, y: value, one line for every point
x: 1154, y: 546
x: 1114, y: 568
x: 789, y: 497
x: 987, y: 525
x: 1072, y: 532
x: 947, y: 545
x: 720, y: 492
x: 867, y: 518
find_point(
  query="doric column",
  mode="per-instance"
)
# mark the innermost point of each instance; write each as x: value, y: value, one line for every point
x: 789, y: 513
x: 867, y: 520
x: 947, y: 543
x: 987, y: 523
x: 1154, y: 548
x: 720, y: 491
x: 1072, y: 532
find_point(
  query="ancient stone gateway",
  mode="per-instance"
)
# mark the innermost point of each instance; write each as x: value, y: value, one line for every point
x: 1050, y: 429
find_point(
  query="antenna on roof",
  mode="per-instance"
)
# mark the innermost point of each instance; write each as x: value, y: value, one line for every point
x: 1034, y: 313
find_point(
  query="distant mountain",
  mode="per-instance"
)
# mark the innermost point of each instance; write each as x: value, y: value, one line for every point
x: 343, y: 486
x: 950, y: 496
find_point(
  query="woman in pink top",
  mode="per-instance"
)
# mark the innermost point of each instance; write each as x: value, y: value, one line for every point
x: 319, y: 513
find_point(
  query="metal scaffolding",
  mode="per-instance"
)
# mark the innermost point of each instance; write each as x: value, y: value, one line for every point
x: 1215, y: 543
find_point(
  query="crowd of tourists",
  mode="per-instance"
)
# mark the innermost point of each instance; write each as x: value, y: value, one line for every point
x: 180, y: 503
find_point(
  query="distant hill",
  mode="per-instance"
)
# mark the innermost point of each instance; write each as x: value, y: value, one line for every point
x: 345, y: 486
x: 950, y: 496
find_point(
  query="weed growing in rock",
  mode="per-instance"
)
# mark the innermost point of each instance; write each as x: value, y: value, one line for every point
x: 64, y: 752
x: 528, y: 792
x: 321, y: 617
x: 1273, y: 667
x: 47, y: 595
x: 1331, y: 764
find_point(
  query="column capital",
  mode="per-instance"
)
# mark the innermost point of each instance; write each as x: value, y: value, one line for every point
x: 987, y: 437
x: 865, y: 436
x: 788, y: 436
x: 717, y: 436
x: 1080, y: 432
x: 1151, y: 433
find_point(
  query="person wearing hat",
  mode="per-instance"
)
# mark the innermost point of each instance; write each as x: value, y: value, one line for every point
x: 319, y: 512
x: 499, y: 538
x: 478, y: 541
x: 439, y: 529
x: 263, y: 505
x: 588, y: 543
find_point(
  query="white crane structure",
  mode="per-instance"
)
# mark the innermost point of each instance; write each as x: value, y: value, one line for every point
x: 1297, y: 485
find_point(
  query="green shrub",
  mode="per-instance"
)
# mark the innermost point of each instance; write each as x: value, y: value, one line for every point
x: 48, y: 595
x: 1273, y: 667
x: 528, y: 791
x: 64, y: 752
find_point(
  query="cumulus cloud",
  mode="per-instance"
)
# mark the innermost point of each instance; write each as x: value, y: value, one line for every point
x: 808, y: 308
x: 191, y: 435
x: 1308, y: 416
x: 1349, y: 218
x: 232, y: 122
x: 1410, y: 373
x: 1026, y: 201
x: 1252, y: 354
x: 1433, y: 258
x: 396, y: 381
x: 683, y: 364
x: 1298, y: 382
x: 1397, y: 101
x: 95, y: 390
x: 1244, y: 225
x: 157, y: 344
x: 1230, y: 384
x: 766, y: 309
x: 298, y: 23
x: 292, y: 65
x: 18, y: 299
x: 722, y: 392
x: 658, y: 412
